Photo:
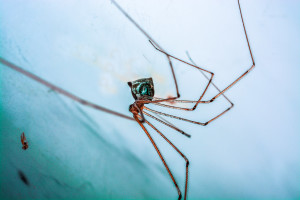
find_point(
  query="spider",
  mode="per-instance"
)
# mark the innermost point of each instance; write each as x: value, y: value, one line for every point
x: 143, y: 92
x: 24, y: 141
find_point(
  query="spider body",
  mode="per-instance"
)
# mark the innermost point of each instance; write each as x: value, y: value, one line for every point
x: 141, y: 89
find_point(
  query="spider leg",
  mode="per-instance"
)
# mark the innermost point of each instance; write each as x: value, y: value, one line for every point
x: 158, y: 152
x: 157, y: 47
x: 230, y: 85
x: 22, y: 139
x: 156, y: 44
x: 167, y: 124
x: 170, y: 62
x: 61, y: 91
x: 163, y: 119
x: 173, y: 116
x: 184, y: 101
x: 188, y: 120
x: 187, y: 101
x: 181, y: 154
x: 253, y: 63
x: 204, y: 124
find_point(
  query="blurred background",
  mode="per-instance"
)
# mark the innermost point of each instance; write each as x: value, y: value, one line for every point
x: 92, y: 50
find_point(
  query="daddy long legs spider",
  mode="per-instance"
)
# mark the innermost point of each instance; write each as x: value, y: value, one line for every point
x: 143, y: 93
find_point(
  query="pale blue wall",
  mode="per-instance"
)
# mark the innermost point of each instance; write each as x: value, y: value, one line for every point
x: 92, y: 50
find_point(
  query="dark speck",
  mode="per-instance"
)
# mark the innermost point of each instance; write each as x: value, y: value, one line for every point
x: 23, y: 177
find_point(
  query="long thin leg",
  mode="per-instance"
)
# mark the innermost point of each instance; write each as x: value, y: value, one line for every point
x: 173, y: 116
x: 193, y: 65
x: 158, y: 152
x: 210, y: 80
x: 180, y: 108
x: 230, y: 85
x: 174, y: 107
x: 181, y: 154
x: 22, y: 138
x: 172, y: 98
x: 187, y: 120
x: 60, y: 90
x: 148, y: 36
x: 163, y: 119
x: 157, y: 47
x: 253, y: 63
x: 185, y: 101
x: 167, y: 124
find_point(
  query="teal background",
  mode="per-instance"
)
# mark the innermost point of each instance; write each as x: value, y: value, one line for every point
x: 90, y: 49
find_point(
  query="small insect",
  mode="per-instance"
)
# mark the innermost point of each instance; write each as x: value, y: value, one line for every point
x: 143, y: 93
x: 24, y: 141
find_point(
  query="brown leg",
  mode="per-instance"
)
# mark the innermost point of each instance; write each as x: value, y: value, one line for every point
x: 181, y: 154
x: 148, y: 36
x: 178, y: 95
x: 60, y: 90
x: 200, y: 69
x: 253, y: 63
x: 167, y: 124
x: 230, y: 85
x: 183, y: 101
x: 22, y: 138
x: 136, y: 117
x: 187, y: 120
x: 157, y: 47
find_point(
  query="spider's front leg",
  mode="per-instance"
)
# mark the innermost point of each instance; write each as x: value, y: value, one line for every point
x: 183, y: 101
x: 171, y: 65
x: 221, y: 92
x: 179, y: 152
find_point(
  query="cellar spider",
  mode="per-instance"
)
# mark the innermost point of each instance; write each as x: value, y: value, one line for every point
x: 143, y: 93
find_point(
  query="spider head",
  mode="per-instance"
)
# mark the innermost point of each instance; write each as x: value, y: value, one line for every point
x: 142, y: 89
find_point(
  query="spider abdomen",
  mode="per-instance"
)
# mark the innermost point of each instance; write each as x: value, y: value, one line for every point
x: 142, y: 89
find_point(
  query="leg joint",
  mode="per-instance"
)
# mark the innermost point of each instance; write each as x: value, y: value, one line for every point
x: 187, y: 162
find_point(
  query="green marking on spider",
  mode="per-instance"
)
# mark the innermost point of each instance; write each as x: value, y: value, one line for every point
x: 142, y: 88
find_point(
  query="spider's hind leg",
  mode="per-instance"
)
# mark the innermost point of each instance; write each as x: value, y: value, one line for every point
x: 136, y: 117
x: 165, y: 122
x: 188, y: 120
x: 179, y: 152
